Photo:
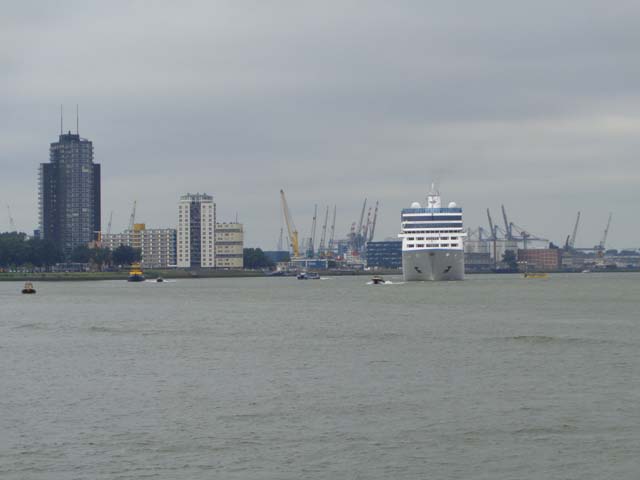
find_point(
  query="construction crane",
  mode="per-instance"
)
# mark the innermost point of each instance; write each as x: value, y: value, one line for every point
x: 322, y: 250
x: 132, y: 218
x: 291, y: 228
x: 12, y: 224
x: 109, y: 224
x: 332, y: 236
x: 373, y: 224
x: 312, y: 237
x: 603, y: 241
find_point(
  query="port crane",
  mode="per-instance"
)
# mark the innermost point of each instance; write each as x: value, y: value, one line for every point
x: 603, y: 241
x: 322, y: 250
x: 494, y: 237
x: 291, y: 228
x: 312, y: 237
x: 332, y: 236
x: 571, y: 239
x: 373, y: 224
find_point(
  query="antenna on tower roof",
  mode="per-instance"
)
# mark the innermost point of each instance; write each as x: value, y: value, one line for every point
x: 77, y: 121
x: 60, y: 119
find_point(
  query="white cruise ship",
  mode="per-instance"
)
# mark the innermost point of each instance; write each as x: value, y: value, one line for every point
x: 432, y: 241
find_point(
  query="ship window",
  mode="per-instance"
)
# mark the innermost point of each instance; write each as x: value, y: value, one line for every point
x: 410, y: 238
x: 410, y: 245
x: 420, y: 245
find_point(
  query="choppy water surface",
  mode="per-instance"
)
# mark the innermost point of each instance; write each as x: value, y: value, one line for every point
x: 496, y: 377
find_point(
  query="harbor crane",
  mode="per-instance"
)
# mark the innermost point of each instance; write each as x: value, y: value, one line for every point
x: 291, y: 228
x: 312, y: 237
x: 373, y: 224
x: 494, y: 238
x: 603, y: 241
x: 364, y: 207
x: 507, y: 225
x: 332, y: 236
x: 280, y: 240
x: 322, y: 249
x: 571, y: 239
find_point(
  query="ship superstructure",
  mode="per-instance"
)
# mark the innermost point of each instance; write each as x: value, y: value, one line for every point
x: 432, y: 240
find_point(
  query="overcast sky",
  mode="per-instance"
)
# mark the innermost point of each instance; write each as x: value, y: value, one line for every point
x: 532, y: 104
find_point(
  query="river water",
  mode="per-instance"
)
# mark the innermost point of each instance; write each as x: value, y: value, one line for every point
x: 496, y: 377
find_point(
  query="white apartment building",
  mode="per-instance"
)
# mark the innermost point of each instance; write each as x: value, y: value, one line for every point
x: 157, y: 245
x: 196, y: 231
x: 229, y: 245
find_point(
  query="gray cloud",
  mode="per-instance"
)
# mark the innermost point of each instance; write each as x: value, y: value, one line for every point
x: 532, y: 105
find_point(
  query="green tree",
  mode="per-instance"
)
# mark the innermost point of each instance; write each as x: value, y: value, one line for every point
x: 14, y: 251
x: 509, y: 257
x: 125, y: 255
x: 254, y: 258
x: 81, y: 254
x: 100, y: 257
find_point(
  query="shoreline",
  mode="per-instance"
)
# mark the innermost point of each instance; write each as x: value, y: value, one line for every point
x: 195, y: 274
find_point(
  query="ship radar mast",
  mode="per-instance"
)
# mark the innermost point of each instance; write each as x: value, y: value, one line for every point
x: 433, y: 197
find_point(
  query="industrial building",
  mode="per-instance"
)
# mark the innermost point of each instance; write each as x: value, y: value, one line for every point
x: 541, y: 259
x: 196, y: 231
x: 384, y: 254
x: 229, y: 245
x: 69, y: 193
x: 157, y: 245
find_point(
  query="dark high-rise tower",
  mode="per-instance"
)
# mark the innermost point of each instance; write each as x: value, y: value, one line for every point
x: 70, y: 193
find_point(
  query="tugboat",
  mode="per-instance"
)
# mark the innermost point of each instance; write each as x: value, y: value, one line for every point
x: 28, y: 288
x: 159, y: 280
x: 136, y: 274
x: 308, y: 276
x: 377, y: 280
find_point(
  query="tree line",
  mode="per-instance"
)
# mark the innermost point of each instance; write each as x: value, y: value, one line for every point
x: 17, y: 250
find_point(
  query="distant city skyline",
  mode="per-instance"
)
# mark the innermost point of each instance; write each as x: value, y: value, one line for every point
x: 535, y: 107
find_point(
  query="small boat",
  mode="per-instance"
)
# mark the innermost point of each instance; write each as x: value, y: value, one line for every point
x: 28, y: 288
x: 159, y: 280
x: 135, y: 274
x: 377, y: 280
x: 536, y: 275
x: 308, y: 276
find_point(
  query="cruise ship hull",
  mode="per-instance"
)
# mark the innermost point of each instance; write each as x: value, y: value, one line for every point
x: 433, y: 265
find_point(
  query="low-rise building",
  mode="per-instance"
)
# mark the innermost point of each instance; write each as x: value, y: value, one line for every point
x: 541, y: 259
x: 157, y: 245
x: 229, y: 245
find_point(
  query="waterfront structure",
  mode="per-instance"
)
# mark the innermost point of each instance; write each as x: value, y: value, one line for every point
x: 229, y: 245
x: 541, y: 259
x: 476, y: 262
x: 196, y: 231
x: 69, y: 193
x: 157, y: 245
x: 432, y: 240
x: 385, y: 254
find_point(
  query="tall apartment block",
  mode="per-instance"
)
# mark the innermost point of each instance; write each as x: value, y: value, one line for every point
x: 196, y: 231
x: 69, y: 193
x: 157, y: 245
x: 229, y: 245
